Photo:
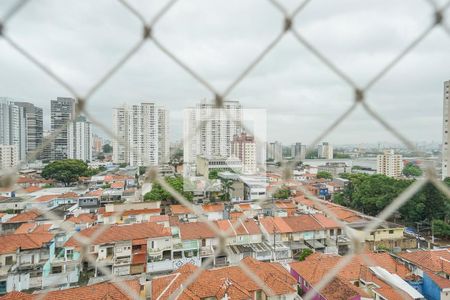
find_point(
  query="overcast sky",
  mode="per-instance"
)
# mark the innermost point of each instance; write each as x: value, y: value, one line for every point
x: 80, y: 39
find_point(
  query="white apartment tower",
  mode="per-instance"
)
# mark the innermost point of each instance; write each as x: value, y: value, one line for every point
x: 34, y: 127
x: 445, y: 134
x: 243, y: 147
x: 325, y: 151
x: 390, y: 164
x: 208, y: 130
x: 9, y: 156
x: 13, y: 126
x: 275, y: 151
x: 79, y: 137
x: 143, y: 131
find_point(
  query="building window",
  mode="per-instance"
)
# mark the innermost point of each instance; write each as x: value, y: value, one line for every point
x: 56, y: 269
x: 8, y: 260
x: 391, y: 231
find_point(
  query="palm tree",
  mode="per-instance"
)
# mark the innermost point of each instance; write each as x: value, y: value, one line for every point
x: 227, y: 185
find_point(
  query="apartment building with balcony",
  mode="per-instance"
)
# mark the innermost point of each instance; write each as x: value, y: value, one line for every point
x: 22, y: 260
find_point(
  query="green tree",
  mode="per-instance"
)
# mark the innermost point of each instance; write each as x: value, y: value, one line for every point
x: 441, y: 228
x: 412, y: 170
x: 304, y: 254
x: 227, y: 186
x: 213, y: 174
x: 282, y: 193
x: 107, y: 148
x: 66, y: 171
x: 324, y: 174
x: 158, y: 193
x: 312, y: 154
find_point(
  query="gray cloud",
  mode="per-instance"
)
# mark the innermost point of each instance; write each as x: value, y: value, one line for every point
x: 80, y: 40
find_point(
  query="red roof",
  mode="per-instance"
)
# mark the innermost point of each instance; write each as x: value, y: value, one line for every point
x: 232, y: 281
x: 127, y: 232
x: 82, y: 219
x: 26, y: 241
x: 100, y: 291
x: 178, y: 209
x: 432, y: 260
x: 24, y: 217
x: 133, y: 212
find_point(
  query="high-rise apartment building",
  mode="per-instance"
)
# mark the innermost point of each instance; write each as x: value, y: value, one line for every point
x: 298, y: 151
x: 79, y: 139
x: 445, y: 134
x: 208, y: 130
x: 34, y: 127
x: 275, y: 151
x: 390, y: 164
x: 62, y: 112
x: 9, y: 156
x: 243, y: 147
x: 97, y: 143
x: 13, y: 126
x: 325, y: 151
x: 143, y: 132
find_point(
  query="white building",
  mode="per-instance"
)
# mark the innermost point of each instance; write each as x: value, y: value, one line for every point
x: 244, y: 147
x: 13, y: 128
x: 9, y: 156
x: 275, y: 151
x: 143, y: 132
x: 445, y: 134
x: 208, y: 130
x: 390, y: 164
x: 325, y: 151
x: 79, y: 136
x: 298, y: 151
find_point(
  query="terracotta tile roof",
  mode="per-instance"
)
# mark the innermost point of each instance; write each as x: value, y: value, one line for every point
x: 339, y: 289
x: 429, y: 259
x: 315, y: 266
x: 303, y: 223
x: 45, y: 198
x: 96, y: 193
x: 118, y: 185
x: 246, y: 227
x: 195, y: 231
x: 160, y: 218
x: 213, y: 207
x: 82, y: 219
x: 24, y: 217
x: 33, y: 228
x: 443, y: 283
x: 127, y: 232
x: 285, y: 205
x: 178, y: 209
x: 326, y: 222
x: 275, y: 224
x: 228, y: 280
x: 10, y: 243
x: 32, y: 189
x: 133, y: 212
x: 101, y: 291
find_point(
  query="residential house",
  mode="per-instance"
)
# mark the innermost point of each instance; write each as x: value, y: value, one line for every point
x: 22, y: 260
x: 227, y: 283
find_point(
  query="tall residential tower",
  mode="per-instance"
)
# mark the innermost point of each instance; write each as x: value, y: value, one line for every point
x: 13, y: 126
x: 79, y: 137
x: 34, y: 127
x: 62, y: 112
x: 143, y: 132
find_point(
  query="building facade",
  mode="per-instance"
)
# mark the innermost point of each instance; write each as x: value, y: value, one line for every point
x: 13, y: 128
x: 143, y: 133
x: 445, y: 134
x: 275, y: 151
x: 325, y: 151
x: 9, y: 156
x: 244, y: 147
x: 298, y: 151
x: 62, y: 112
x: 390, y: 164
x: 79, y: 135
x: 34, y: 127
x: 210, y: 130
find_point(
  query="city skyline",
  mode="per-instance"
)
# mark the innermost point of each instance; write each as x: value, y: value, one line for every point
x: 311, y: 98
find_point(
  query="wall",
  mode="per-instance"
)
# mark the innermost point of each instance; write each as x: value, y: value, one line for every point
x: 430, y: 289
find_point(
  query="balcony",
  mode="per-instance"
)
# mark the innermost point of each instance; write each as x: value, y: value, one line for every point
x: 206, y: 251
x: 122, y: 261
